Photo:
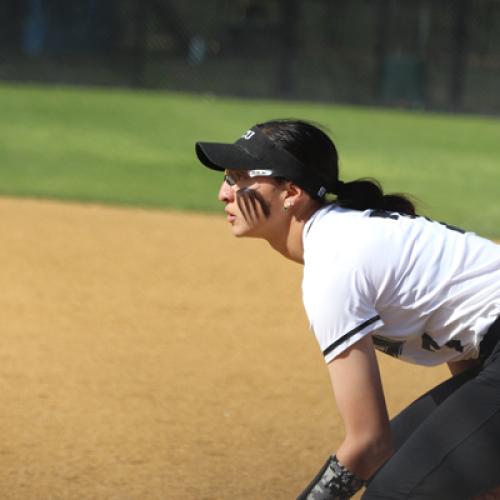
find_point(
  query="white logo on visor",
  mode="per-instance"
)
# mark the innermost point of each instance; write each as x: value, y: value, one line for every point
x: 259, y: 173
x: 248, y: 135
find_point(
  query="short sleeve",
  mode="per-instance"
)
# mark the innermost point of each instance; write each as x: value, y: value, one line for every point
x: 340, y: 305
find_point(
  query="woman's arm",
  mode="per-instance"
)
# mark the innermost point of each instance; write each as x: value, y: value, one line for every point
x: 367, y: 444
x: 360, y: 399
x: 457, y: 367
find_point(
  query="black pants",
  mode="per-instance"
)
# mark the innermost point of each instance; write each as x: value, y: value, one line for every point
x: 448, y: 441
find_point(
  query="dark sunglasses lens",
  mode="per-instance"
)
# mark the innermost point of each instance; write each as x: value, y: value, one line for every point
x: 229, y: 179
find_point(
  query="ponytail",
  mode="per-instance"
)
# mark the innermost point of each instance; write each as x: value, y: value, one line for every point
x: 364, y: 194
x: 317, y: 152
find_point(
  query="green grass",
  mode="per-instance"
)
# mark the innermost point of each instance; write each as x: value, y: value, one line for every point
x: 136, y: 148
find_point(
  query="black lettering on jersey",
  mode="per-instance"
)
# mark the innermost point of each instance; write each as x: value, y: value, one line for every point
x: 429, y: 344
x: 388, y: 346
x: 455, y: 344
x: 384, y: 214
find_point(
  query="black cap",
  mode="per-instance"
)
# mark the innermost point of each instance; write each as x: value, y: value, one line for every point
x: 255, y: 151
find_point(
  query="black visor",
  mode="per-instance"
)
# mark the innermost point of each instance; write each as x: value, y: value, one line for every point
x: 255, y: 151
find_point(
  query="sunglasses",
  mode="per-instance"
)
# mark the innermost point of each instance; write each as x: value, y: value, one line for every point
x: 238, y: 175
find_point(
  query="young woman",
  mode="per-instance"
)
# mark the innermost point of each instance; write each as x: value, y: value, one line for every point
x: 377, y: 276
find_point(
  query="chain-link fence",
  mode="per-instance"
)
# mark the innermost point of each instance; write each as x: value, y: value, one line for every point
x: 435, y: 54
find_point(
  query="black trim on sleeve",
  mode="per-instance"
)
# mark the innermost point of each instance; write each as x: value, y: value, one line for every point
x: 348, y: 335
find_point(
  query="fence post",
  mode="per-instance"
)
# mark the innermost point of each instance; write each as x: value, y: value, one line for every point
x: 382, y: 20
x: 139, y: 64
x: 459, y: 54
x: 285, y: 77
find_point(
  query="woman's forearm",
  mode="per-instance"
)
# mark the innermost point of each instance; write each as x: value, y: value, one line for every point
x: 457, y: 367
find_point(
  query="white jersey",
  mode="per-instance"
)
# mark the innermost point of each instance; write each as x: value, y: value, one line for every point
x: 426, y: 292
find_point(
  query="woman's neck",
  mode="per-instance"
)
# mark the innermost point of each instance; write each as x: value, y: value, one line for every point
x: 290, y: 243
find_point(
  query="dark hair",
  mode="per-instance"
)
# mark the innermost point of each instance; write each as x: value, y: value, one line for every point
x: 314, y: 148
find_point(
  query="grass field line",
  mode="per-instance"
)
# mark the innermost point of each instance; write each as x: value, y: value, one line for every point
x: 137, y: 148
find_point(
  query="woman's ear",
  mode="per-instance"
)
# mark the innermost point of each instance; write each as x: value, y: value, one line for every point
x: 293, y: 195
x: 298, y: 202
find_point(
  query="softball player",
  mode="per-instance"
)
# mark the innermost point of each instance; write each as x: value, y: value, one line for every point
x: 377, y: 276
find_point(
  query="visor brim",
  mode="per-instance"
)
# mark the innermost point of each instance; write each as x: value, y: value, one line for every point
x: 219, y: 156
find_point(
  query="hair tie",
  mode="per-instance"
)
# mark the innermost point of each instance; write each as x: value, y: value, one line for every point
x: 339, y: 186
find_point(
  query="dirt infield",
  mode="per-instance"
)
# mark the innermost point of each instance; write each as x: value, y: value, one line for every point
x: 150, y: 355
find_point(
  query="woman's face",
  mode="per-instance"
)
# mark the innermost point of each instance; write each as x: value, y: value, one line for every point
x: 254, y: 205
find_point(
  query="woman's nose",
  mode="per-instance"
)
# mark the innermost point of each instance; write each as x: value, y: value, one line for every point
x: 226, y: 193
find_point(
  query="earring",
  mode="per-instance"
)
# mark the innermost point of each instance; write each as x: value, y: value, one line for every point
x: 287, y: 205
